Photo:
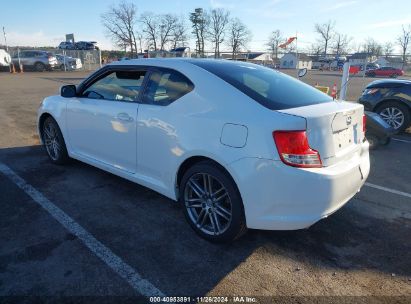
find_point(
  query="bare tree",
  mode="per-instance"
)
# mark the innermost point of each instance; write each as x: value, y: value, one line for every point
x: 150, y: 29
x: 167, y: 25
x: 219, y: 19
x: 200, y: 21
x: 120, y: 22
x: 372, y: 47
x: 404, y: 41
x: 273, y: 43
x: 238, y: 36
x: 326, y: 31
x: 316, y: 49
x: 388, y: 48
x: 179, y: 34
x: 341, y: 43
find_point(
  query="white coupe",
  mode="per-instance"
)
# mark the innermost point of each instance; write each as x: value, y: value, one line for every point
x: 238, y: 145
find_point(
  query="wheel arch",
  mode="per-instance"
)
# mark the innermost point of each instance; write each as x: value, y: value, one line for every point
x: 191, y: 161
x: 397, y: 100
x: 41, y: 121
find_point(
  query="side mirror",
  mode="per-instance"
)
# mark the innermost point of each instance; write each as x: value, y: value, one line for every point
x: 68, y: 91
x: 302, y: 72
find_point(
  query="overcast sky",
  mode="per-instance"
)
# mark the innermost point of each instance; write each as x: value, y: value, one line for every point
x: 44, y: 22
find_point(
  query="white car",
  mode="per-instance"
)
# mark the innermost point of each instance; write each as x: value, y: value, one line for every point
x: 239, y: 145
x: 5, y: 59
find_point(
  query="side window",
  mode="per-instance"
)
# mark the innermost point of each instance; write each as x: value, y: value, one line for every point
x: 118, y: 86
x: 24, y: 54
x: 166, y: 86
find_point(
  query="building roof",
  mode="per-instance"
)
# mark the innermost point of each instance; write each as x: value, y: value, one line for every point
x: 393, y: 59
x: 359, y: 56
x: 301, y: 56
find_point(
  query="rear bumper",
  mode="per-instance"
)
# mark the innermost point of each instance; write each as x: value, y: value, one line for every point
x: 280, y: 197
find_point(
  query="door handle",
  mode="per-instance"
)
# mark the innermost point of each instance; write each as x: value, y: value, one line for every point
x: 124, y: 117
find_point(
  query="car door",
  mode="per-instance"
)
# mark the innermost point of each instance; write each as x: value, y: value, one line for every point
x: 385, y: 71
x: 158, y: 140
x: 101, y: 121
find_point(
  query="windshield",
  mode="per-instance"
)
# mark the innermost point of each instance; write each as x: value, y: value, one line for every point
x: 269, y: 87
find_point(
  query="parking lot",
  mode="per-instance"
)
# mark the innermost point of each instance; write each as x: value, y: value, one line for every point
x: 79, y: 231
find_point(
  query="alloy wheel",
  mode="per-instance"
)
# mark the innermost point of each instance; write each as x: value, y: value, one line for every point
x: 208, y: 204
x: 51, y: 141
x: 393, y: 116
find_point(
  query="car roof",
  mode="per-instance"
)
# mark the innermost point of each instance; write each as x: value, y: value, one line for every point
x: 389, y: 83
x: 180, y: 61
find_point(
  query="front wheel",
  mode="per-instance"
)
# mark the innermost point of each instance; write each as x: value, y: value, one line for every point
x: 212, y: 204
x: 54, y: 142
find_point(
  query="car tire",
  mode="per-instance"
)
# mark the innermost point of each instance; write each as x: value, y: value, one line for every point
x: 53, y: 141
x: 213, y: 209
x: 371, y: 74
x: 373, y: 141
x: 391, y: 110
x: 62, y: 67
x: 386, y: 141
x: 39, y: 67
x: 394, y: 75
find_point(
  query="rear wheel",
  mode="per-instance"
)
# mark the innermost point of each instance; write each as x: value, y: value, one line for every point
x: 39, y: 67
x: 54, y: 142
x: 212, y: 203
x: 396, y: 115
x: 373, y: 141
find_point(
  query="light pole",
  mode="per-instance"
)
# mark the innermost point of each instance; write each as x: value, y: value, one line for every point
x: 5, y: 39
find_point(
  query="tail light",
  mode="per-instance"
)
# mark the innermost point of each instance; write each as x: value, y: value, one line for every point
x: 294, y: 149
x: 364, y: 123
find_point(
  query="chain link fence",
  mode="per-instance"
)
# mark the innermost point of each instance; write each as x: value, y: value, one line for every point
x: 90, y: 59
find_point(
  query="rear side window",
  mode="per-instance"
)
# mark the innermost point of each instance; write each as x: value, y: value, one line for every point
x: 166, y: 86
x: 268, y: 87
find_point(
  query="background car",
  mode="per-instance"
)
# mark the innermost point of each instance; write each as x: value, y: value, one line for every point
x: 228, y: 140
x: 36, y: 60
x: 5, y: 60
x: 378, y: 132
x: 385, y: 72
x: 68, y: 63
x: 86, y: 45
x: 66, y: 45
x: 369, y: 66
x: 391, y: 99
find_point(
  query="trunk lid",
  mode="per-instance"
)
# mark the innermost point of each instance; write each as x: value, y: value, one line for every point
x: 334, y: 129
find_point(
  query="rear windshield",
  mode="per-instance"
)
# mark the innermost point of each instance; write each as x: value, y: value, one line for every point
x: 269, y: 87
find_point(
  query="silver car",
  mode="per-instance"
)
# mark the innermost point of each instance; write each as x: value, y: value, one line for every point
x: 37, y: 60
x: 68, y: 63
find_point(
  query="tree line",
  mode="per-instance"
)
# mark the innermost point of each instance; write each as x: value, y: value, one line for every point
x: 134, y: 32
x: 333, y: 42
x: 159, y: 32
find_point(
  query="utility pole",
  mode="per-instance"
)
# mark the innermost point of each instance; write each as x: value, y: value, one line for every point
x: 5, y: 39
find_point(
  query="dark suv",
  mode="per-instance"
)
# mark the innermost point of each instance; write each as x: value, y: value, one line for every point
x: 86, y: 45
x: 36, y: 60
x: 391, y: 99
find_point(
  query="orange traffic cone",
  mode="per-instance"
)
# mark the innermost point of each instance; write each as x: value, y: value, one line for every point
x: 21, y: 69
x: 12, y: 69
x: 334, y: 91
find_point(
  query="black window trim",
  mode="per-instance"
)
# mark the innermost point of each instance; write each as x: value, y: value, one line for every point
x: 108, y: 69
x: 103, y: 72
x: 153, y: 69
